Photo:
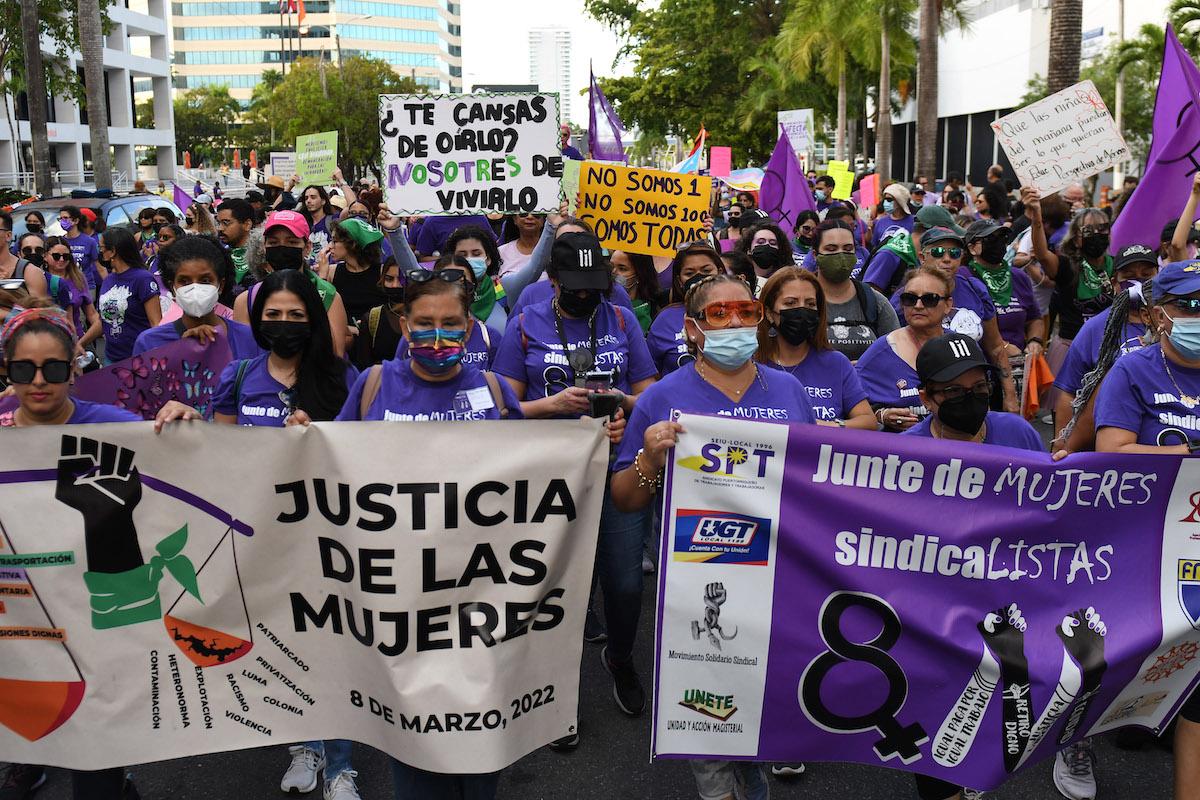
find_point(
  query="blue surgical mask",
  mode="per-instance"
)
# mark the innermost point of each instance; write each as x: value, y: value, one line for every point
x: 1185, y: 336
x: 478, y: 266
x: 820, y: 195
x: 730, y: 347
x: 888, y: 206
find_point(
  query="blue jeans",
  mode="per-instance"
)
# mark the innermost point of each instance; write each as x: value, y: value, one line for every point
x: 411, y: 783
x: 619, y: 573
x: 337, y: 755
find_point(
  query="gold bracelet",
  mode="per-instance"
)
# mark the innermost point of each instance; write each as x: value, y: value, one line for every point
x: 644, y: 481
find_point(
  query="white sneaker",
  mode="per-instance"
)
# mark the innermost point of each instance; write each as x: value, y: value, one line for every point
x: 972, y: 794
x: 1073, y: 774
x: 342, y: 786
x: 301, y: 776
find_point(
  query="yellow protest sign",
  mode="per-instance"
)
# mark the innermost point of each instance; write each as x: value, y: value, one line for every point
x: 843, y: 179
x: 643, y: 210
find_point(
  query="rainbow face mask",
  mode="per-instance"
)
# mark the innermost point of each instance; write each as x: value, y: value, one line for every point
x: 437, y: 351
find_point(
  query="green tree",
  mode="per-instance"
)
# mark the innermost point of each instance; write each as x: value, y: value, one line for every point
x: 692, y: 67
x: 203, y: 117
x: 1184, y: 16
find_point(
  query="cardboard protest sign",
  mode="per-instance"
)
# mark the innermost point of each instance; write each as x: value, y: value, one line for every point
x: 570, y: 182
x: 799, y: 126
x: 470, y: 154
x: 843, y: 179
x: 316, y: 157
x: 720, y: 161
x: 312, y: 586
x: 283, y: 164
x: 644, y: 210
x: 814, y: 604
x: 868, y: 191
x: 1061, y: 139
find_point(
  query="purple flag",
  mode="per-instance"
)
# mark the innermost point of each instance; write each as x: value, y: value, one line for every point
x: 1173, y: 160
x: 181, y: 198
x: 604, y: 128
x: 785, y: 191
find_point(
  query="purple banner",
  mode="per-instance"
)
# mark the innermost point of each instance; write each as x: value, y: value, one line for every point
x: 951, y: 609
x: 185, y: 370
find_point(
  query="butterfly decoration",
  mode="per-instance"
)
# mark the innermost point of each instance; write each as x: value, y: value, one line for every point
x: 158, y: 364
x: 193, y: 390
x: 144, y: 407
x: 172, y: 382
x: 157, y: 388
x: 189, y: 370
x: 121, y: 398
x: 205, y: 409
x: 129, y: 376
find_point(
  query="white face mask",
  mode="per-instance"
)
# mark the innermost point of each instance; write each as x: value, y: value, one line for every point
x: 197, y: 299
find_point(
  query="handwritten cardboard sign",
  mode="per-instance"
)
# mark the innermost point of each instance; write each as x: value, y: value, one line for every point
x: 1061, y: 139
x: 643, y: 210
x: 470, y: 154
x: 316, y: 157
x: 843, y: 179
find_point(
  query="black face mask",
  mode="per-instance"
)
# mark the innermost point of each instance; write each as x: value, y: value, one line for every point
x: 993, y: 250
x: 34, y: 228
x: 797, y: 324
x: 574, y: 305
x: 285, y: 338
x: 807, y: 241
x: 1095, y: 245
x: 37, y: 259
x: 285, y: 257
x: 394, y: 294
x: 965, y: 414
x: 765, y: 257
x: 104, y: 262
x: 692, y: 281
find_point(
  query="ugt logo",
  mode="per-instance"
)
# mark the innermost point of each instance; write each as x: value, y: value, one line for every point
x: 731, y: 531
x: 718, y: 459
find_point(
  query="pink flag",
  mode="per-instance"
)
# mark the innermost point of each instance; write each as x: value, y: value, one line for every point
x: 719, y: 161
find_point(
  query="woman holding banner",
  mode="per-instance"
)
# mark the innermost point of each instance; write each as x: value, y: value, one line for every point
x: 577, y: 355
x: 721, y: 327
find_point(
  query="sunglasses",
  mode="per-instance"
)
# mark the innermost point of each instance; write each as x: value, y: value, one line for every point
x: 191, y: 220
x: 956, y: 392
x: 286, y: 396
x: 426, y: 275
x: 909, y: 300
x: 55, y: 371
x: 528, y: 214
x: 1187, y: 305
x: 32, y: 251
x: 360, y: 215
x: 1091, y: 230
x: 941, y: 252
x: 59, y: 256
x: 721, y: 313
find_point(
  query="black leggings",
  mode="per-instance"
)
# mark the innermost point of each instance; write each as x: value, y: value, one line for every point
x: 929, y: 788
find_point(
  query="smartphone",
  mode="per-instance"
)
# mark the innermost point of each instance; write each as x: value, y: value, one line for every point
x: 598, y: 381
x: 603, y: 404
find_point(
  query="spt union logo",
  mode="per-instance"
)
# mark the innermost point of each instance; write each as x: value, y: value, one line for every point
x: 731, y: 459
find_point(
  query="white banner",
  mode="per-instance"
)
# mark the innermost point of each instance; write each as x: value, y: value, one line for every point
x: 220, y: 588
x: 283, y: 164
x: 470, y: 154
x: 799, y: 126
x: 1061, y: 139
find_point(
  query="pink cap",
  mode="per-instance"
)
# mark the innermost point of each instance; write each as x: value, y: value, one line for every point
x: 293, y: 221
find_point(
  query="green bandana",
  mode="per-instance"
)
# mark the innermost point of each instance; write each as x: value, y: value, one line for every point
x: 324, y: 288
x: 485, y: 298
x: 238, y: 254
x: 998, y: 281
x: 130, y: 597
x: 1091, y: 283
x: 902, y: 245
x: 642, y: 309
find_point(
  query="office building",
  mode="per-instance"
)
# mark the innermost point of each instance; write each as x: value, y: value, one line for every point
x: 136, y: 67
x: 550, y: 65
x: 233, y: 43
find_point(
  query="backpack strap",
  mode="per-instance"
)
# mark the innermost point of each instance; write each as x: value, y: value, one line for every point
x: 180, y: 328
x: 866, y: 301
x: 370, y: 390
x: 487, y: 337
x: 498, y: 396
x: 54, y: 286
x: 237, y: 385
x: 373, y: 322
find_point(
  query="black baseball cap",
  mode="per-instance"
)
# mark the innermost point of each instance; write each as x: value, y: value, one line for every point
x: 752, y: 216
x: 1133, y: 253
x: 941, y: 235
x: 947, y: 357
x: 579, y: 262
x: 1168, y: 232
x: 983, y: 228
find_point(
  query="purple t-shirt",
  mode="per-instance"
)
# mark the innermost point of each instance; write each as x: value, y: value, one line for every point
x: 886, y: 224
x: 86, y: 252
x: 481, y: 346
x: 86, y: 412
x: 540, y: 292
x: 972, y: 305
x: 832, y: 384
x: 532, y: 351
x: 431, y: 235
x: 403, y: 396
x: 861, y: 257
x: 1004, y: 430
x: 888, y: 379
x: 259, y: 403
x: 885, y: 269
x: 1138, y: 395
x: 73, y: 299
x: 773, y: 397
x: 122, y: 307
x: 1022, y: 308
x: 241, y: 339
x: 666, y: 340
x: 1085, y: 350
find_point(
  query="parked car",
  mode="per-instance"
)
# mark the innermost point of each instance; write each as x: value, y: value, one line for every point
x: 121, y: 210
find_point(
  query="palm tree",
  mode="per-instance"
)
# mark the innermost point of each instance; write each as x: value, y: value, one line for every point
x: 1147, y: 47
x: 1183, y: 14
x: 91, y: 45
x: 35, y: 97
x: 927, y: 88
x: 1066, y: 28
x: 896, y: 48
